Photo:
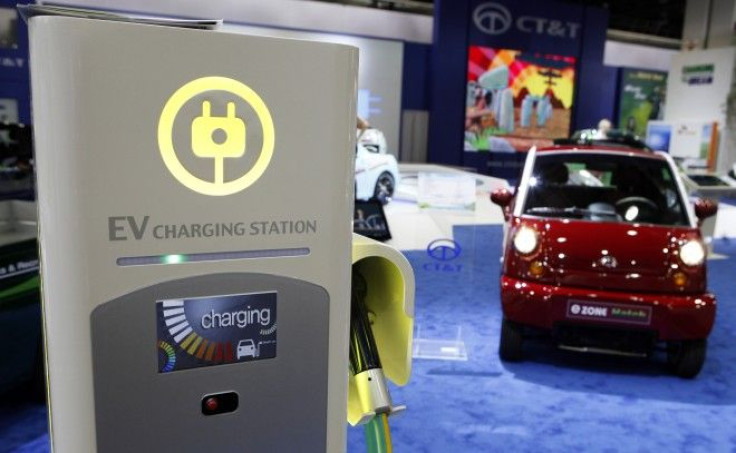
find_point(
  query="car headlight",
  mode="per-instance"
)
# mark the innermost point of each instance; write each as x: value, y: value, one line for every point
x: 526, y: 240
x: 692, y: 253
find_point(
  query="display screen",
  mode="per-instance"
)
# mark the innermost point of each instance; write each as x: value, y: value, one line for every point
x: 517, y: 99
x: 217, y: 330
x: 370, y: 220
x: 659, y: 135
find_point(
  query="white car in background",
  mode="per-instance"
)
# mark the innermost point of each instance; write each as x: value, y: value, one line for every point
x: 376, y: 172
x: 373, y: 139
x: 376, y: 175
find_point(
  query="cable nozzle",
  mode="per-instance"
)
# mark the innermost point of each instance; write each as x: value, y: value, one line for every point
x: 374, y: 395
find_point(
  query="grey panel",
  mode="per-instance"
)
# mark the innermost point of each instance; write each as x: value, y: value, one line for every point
x: 283, y: 401
x: 415, y: 124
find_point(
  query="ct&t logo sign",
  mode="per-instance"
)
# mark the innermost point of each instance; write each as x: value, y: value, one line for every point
x: 220, y: 138
x: 492, y: 18
x: 495, y: 19
x: 442, y: 251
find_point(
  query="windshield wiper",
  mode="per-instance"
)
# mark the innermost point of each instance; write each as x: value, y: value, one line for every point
x: 549, y: 210
x: 570, y: 211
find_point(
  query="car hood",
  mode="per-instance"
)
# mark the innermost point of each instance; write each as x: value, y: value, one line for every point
x: 608, y: 247
x: 614, y: 255
x: 378, y: 159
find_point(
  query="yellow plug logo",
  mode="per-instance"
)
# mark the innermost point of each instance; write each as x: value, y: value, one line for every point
x: 215, y: 137
x: 218, y: 137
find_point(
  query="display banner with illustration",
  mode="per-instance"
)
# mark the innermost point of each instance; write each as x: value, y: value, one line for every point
x: 554, y: 37
x: 517, y: 99
x: 642, y: 99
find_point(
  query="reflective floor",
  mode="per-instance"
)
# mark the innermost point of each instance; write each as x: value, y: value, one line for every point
x: 461, y: 397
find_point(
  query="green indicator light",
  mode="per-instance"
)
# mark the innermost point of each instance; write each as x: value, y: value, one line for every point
x: 173, y: 259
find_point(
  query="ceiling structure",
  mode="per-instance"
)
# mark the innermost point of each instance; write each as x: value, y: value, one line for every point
x: 661, y: 19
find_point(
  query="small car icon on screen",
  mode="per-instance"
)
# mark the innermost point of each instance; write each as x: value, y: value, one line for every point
x: 247, y: 348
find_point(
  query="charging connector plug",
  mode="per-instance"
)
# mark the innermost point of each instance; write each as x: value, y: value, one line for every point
x: 365, y: 362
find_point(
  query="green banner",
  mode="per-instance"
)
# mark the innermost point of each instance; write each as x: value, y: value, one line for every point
x: 642, y: 97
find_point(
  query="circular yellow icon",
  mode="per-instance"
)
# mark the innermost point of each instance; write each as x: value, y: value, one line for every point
x: 205, y: 141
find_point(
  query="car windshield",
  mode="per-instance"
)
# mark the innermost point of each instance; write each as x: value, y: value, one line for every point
x: 604, y: 187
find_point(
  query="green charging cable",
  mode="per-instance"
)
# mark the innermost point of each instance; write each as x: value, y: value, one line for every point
x: 378, y: 435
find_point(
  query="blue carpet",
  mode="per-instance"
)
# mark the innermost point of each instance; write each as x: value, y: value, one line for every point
x: 23, y: 426
x: 553, y: 401
x: 727, y: 200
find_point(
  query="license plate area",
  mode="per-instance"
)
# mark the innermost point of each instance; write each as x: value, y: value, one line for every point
x: 609, y: 312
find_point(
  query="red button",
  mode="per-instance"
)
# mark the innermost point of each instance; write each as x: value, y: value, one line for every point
x: 211, y: 404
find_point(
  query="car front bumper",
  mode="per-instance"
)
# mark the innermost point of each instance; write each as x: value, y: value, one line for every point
x: 671, y: 317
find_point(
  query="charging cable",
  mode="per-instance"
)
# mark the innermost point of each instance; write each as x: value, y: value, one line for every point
x: 365, y: 364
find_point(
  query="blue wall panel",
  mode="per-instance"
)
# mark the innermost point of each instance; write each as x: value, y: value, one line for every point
x: 599, y: 99
x: 596, y: 84
x: 447, y: 87
x: 415, y: 89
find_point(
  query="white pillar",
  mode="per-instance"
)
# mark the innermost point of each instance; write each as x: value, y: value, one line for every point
x: 709, y: 24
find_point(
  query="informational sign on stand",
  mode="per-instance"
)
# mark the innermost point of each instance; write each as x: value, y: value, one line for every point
x: 694, y: 144
x: 446, y: 191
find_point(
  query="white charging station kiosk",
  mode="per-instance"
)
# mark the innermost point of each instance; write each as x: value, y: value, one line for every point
x: 195, y: 234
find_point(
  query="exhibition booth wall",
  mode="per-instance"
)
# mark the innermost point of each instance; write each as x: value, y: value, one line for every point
x: 411, y: 64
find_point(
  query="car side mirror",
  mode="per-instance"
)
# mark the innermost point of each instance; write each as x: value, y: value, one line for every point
x: 502, y: 197
x: 705, y: 208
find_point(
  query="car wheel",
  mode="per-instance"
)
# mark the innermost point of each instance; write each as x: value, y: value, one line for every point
x: 384, y: 187
x: 512, y: 339
x: 686, y: 358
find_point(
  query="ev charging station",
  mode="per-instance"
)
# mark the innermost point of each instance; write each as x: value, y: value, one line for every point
x: 195, y: 207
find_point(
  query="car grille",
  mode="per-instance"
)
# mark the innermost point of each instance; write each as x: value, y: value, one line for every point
x: 635, y: 341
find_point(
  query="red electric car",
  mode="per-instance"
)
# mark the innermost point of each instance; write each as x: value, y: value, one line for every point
x: 602, y: 249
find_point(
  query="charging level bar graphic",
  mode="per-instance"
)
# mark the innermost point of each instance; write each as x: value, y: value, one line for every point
x: 211, y: 256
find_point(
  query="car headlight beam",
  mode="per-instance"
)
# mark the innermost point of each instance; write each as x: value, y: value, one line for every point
x: 692, y: 253
x: 526, y: 240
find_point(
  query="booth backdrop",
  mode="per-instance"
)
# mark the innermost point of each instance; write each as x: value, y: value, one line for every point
x: 538, y: 27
